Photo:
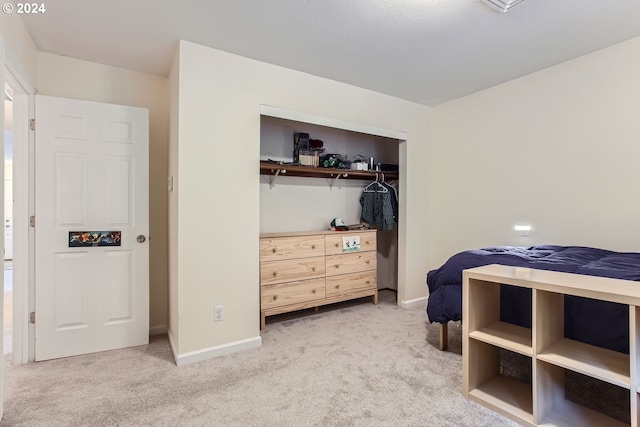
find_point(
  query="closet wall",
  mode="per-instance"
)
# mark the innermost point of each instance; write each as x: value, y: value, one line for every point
x: 309, y: 204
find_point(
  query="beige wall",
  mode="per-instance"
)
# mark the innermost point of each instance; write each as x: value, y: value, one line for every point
x: 219, y: 135
x: 558, y: 149
x: 72, y: 78
x: 19, y: 42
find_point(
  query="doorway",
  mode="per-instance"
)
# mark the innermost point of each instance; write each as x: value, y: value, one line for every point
x: 17, y: 200
x: 8, y: 222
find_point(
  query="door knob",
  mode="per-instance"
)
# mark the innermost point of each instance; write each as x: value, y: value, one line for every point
x: 141, y: 238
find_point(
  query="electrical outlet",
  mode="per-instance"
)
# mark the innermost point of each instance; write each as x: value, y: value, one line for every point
x: 218, y: 313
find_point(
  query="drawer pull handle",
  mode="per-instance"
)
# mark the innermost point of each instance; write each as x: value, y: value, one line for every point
x: 313, y: 269
x: 313, y: 291
x: 274, y: 250
x: 275, y: 297
x: 337, y: 286
x: 337, y: 244
x: 368, y: 282
x: 275, y: 273
x: 337, y: 266
x: 313, y: 246
x: 368, y: 262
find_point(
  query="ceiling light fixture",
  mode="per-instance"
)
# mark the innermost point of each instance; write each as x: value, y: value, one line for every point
x: 501, y: 5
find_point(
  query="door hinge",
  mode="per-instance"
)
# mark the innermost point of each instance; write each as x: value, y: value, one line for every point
x: 32, y: 221
x: 32, y: 124
x: 32, y: 317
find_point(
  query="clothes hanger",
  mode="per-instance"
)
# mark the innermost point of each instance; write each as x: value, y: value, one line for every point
x: 379, y: 187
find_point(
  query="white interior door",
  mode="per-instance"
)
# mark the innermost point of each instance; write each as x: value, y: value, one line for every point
x: 91, y: 176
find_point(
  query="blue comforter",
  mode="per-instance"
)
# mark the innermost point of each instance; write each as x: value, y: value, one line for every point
x: 600, y: 323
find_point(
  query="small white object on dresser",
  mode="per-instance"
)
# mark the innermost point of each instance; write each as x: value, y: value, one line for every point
x: 308, y: 269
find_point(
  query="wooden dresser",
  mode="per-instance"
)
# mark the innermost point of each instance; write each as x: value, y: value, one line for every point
x: 309, y: 269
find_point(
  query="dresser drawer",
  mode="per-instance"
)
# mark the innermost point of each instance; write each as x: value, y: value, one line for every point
x: 272, y: 296
x: 289, y: 270
x: 278, y: 248
x: 346, y: 283
x: 351, y: 262
x: 333, y: 242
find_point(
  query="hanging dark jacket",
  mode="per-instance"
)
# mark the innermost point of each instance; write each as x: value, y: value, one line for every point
x: 377, y: 206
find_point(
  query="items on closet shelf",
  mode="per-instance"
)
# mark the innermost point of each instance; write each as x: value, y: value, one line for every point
x: 379, y: 202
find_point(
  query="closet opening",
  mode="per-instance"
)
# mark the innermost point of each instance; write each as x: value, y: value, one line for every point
x: 307, y: 204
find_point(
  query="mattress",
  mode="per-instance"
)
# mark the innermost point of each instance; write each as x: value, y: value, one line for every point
x: 600, y: 323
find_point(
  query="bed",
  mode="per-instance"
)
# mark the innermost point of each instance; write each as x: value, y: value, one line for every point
x: 600, y: 323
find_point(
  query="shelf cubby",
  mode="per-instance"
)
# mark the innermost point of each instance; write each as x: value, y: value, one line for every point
x: 601, y: 363
x: 568, y: 413
x: 555, y: 409
x: 506, y: 335
x: 504, y: 394
x: 507, y: 396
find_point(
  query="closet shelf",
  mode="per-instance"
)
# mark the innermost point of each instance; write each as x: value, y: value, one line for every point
x: 267, y: 168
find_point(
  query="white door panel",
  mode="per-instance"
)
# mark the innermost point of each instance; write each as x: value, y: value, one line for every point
x: 91, y: 175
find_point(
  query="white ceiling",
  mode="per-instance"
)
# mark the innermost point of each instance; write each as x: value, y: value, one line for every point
x: 427, y: 51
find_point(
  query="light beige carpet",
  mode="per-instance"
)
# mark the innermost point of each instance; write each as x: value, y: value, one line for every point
x: 354, y: 364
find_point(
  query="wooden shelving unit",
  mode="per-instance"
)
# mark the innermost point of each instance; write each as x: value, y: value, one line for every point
x: 275, y: 169
x: 543, y: 403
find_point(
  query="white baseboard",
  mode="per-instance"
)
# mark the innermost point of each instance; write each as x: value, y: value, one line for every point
x: 157, y: 330
x: 418, y: 302
x: 213, y: 352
